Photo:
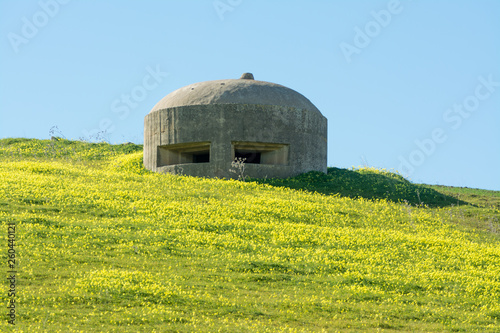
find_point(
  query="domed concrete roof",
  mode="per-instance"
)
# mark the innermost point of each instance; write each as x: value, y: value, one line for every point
x: 245, y: 90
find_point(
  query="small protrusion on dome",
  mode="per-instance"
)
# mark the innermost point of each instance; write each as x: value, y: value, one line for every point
x: 246, y: 76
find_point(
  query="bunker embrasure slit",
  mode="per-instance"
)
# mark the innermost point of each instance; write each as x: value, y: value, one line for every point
x: 183, y: 153
x: 249, y: 155
x: 261, y: 153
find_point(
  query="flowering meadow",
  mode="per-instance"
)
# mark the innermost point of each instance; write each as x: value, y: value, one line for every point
x: 102, y: 245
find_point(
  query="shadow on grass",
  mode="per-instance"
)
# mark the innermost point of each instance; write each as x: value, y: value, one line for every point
x: 365, y: 183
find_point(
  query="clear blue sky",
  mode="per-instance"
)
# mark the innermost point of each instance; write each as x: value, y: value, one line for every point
x: 406, y: 85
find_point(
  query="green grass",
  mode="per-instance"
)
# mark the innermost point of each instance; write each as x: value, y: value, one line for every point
x: 368, y: 183
x: 106, y: 246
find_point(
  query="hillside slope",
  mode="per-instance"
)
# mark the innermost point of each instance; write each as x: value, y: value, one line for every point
x: 103, y: 245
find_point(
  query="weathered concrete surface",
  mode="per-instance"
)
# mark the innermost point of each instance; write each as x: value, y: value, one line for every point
x: 239, y: 91
x: 228, y: 112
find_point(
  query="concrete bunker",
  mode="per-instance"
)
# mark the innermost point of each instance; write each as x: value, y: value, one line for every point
x: 201, y: 128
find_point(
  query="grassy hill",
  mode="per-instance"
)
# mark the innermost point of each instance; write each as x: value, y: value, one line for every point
x: 103, y: 245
